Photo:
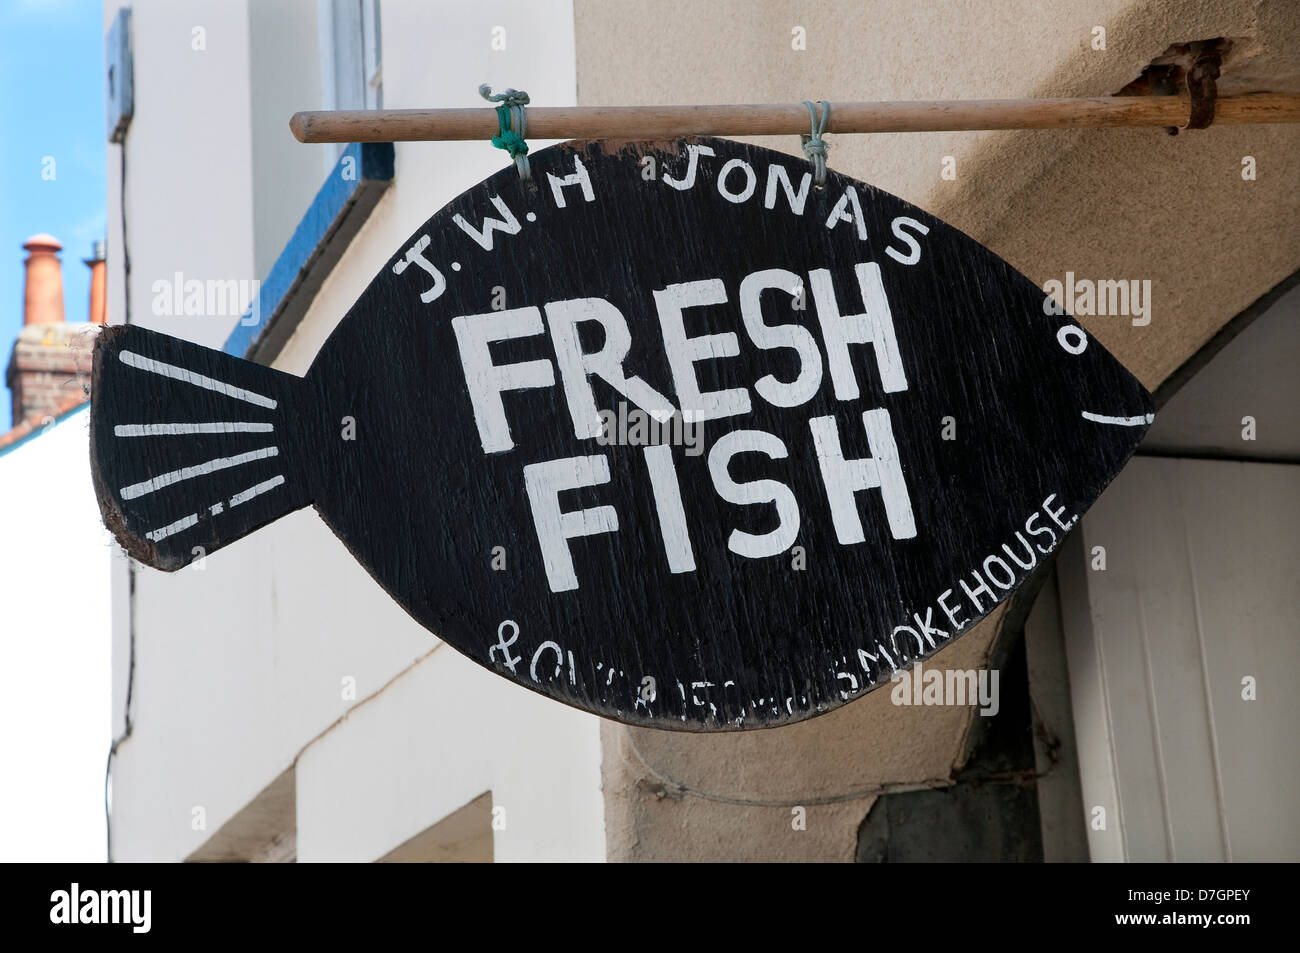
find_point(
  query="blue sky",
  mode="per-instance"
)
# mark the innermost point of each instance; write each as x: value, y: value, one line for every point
x: 52, y: 104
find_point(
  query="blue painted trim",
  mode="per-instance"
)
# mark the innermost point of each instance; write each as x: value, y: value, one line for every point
x: 350, y: 192
x: 36, y: 433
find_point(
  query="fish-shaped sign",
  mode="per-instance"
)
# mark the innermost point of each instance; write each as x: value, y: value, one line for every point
x: 669, y: 433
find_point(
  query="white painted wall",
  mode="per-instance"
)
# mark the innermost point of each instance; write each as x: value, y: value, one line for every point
x: 186, y: 209
x: 189, y: 194
x: 54, y: 649
x: 241, y: 664
x: 438, y: 737
x: 1198, y: 593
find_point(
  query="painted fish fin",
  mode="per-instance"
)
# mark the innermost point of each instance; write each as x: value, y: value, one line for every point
x: 190, y: 448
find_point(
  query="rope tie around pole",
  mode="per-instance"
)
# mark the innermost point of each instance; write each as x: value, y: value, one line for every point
x: 512, y: 122
x: 814, y: 146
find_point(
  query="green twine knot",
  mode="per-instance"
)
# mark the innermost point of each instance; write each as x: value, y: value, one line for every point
x: 512, y: 125
x: 509, y: 140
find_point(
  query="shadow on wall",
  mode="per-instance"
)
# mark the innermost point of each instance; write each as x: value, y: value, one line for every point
x: 989, y: 814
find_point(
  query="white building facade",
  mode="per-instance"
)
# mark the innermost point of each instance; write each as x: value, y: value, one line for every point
x: 55, y: 567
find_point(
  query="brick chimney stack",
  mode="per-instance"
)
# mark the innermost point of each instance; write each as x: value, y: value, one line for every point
x: 98, y: 284
x: 48, y: 361
x: 43, y: 296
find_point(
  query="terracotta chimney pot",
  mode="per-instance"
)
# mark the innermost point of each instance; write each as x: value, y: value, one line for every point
x: 98, y: 284
x: 43, y: 295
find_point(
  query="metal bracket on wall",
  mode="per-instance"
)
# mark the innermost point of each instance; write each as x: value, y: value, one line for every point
x: 1201, y: 86
x: 1193, y: 67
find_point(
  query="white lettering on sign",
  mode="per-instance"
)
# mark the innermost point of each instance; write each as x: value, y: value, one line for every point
x: 848, y: 209
x: 693, y: 355
x: 668, y: 506
x: 894, y: 650
x: 843, y: 479
x: 776, y: 174
x: 737, y: 182
x: 685, y: 351
x: 755, y: 546
x: 578, y: 367
x: 544, y: 482
x: 488, y: 381
x: 888, y: 652
x: 579, y: 177
x: 874, y: 326
x: 507, y: 224
x: 913, y: 254
x: 693, y: 153
x: 794, y: 336
x: 750, y: 179
x: 415, y: 256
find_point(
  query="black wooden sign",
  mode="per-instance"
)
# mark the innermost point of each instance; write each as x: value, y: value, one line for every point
x: 670, y: 434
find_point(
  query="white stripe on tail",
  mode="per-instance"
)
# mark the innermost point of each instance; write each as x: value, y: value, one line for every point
x: 172, y: 528
x: 131, y: 359
x: 188, y: 473
x: 1120, y: 421
x: 245, y: 495
x: 173, y: 430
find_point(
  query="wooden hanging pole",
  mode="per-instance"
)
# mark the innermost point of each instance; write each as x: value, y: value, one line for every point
x: 670, y: 122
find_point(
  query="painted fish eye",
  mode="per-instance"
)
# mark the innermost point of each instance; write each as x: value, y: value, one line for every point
x: 1072, y: 338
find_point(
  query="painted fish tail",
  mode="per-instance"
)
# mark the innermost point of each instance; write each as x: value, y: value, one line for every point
x: 191, y: 448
